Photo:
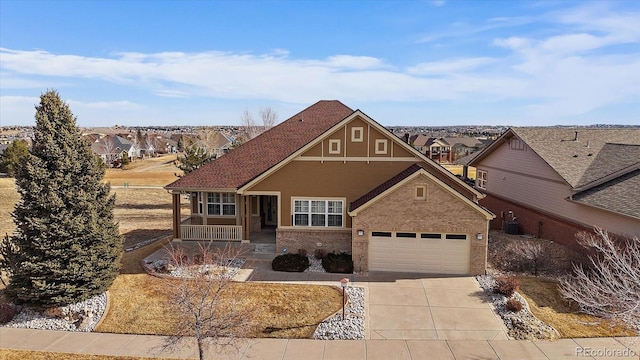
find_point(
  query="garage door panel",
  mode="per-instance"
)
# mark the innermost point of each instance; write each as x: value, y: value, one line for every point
x: 445, y: 254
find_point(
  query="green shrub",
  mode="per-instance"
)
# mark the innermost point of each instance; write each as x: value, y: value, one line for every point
x: 290, y: 263
x: 338, y: 263
x: 319, y: 254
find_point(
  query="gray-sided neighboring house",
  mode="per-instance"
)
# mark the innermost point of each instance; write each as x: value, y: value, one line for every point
x: 557, y: 182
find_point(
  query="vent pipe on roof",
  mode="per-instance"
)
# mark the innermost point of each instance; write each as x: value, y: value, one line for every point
x: 576, y: 137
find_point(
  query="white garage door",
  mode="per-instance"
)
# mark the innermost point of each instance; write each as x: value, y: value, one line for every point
x: 419, y: 252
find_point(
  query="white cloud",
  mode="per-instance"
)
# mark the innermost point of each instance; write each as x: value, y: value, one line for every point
x: 450, y: 66
x: 580, y: 66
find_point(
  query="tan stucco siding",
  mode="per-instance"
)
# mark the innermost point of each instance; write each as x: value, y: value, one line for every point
x: 441, y: 212
x: 330, y: 179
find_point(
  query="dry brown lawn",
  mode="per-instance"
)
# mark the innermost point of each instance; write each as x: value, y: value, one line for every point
x: 457, y: 170
x: 547, y: 304
x: 158, y: 171
x: 9, y: 197
x: 41, y: 355
x: 138, y: 306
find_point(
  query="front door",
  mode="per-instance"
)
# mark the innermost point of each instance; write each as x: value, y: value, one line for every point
x: 270, y: 210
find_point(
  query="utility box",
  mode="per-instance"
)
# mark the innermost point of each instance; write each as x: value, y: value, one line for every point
x: 511, y: 227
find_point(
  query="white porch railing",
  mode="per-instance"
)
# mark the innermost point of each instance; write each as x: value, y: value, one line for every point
x: 211, y: 232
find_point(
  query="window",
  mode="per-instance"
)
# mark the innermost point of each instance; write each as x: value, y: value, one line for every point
x: 431, y: 236
x: 481, y: 179
x: 456, y: 237
x: 327, y: 213
x: 381, y: 233
x: 405, y: 235
x: 516, y: 144
x: 421, y: 192
x: 221, y: 204
x: 356, y: 134
x: 334, y: 146
x: 381, y: 146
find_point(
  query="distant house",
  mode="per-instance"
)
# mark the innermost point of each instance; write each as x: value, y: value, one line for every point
x: 557, y: 182
x: 445, y: 149
x: 333, y: 179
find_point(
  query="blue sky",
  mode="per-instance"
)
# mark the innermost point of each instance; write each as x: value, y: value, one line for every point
x: 418, y: 63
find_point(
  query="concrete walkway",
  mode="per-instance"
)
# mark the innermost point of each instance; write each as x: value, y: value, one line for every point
x: 283, y: 349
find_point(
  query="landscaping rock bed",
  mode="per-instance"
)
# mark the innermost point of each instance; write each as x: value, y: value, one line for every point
x: 315, y: 265
x: 164, y: 267
x: 352, y: 327
x: 82, y: 316
x: 522, y: 325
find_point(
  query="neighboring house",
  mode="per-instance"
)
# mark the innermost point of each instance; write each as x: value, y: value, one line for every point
x: 216, y: 143
x: 331, y: 178
x: 561, y: 181
x: 126, y: 146
x: 449, y: 149
x: 166, y: 145
x: 112, y: 147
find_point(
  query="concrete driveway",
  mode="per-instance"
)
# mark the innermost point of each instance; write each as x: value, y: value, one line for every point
x: 429, y: 308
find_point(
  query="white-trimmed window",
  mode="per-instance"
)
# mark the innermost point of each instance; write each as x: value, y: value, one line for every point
x: 481, y: 179
x: 357, y: 134
x: 421, y: 192
x: 221, y: 204
x: 327, y: 213
x: 334, y: 146
x: 381, y: 146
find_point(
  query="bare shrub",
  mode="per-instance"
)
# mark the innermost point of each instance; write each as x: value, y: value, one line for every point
x: 7, y: 311
x: 611, y: 287
x: 302, y: 252
x: 319, y: 254
x: 506, y: 285
x: 533, y: 256
x: 514, y: 305
x: 210, y: 307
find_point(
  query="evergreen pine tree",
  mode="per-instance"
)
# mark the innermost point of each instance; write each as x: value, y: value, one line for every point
x: 194, y: 157
x: 66, y: 247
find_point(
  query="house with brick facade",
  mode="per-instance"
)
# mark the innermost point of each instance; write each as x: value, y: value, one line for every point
x: 558, y: 182
x: 332, y: 178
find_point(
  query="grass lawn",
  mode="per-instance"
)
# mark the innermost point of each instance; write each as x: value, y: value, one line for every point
x: 457, y: 170
x: 10, y: 197
x: 137, y: 304
x: 158, y: 171
x: 42, y: 355
x: 547, y: 304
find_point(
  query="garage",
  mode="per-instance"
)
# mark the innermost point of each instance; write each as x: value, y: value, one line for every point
x: 423, y: 252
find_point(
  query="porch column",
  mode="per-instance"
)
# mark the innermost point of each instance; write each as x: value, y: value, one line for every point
x: 246, y: 217
x: 176, y: 214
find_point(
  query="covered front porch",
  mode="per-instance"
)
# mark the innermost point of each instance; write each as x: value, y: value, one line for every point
x: 217, y: 216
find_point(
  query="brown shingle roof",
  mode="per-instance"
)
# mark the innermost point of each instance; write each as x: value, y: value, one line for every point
x: 619, y: 195
x: 570, y: 158
x: 258, y: 155
x: 384, y: 187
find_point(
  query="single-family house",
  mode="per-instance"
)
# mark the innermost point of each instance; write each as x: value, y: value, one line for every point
x: 332, y: 178
x: 557, y: 182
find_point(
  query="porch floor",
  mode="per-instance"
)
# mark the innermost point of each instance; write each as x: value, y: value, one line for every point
x: 266, y: 235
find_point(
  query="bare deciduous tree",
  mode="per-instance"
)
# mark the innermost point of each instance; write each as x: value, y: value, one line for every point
x: 611, y: 288
x: 150, y: 143
x: 268, y: 116
x: 533, y: 253
x: 210, y: 306
x: 108, y: 150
